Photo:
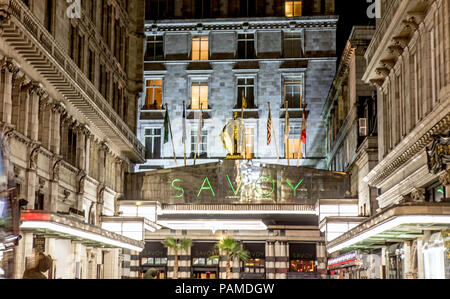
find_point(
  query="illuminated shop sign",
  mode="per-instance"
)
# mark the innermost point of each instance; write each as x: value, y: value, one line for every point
x: 237, y: 182
x: 342, y: 260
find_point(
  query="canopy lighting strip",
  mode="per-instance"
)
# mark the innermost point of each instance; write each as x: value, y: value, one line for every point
x: 400, y: 220
x: 78, y: 233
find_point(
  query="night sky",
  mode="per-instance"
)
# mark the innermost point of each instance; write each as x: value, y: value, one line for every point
x: 351, y: 12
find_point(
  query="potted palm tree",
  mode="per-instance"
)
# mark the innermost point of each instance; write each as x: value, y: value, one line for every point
x: 176, y: 246
x: 230, y: 248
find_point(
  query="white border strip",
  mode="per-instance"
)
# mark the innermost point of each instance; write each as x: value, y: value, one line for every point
x: 77, y: 233
x: 389, y: 225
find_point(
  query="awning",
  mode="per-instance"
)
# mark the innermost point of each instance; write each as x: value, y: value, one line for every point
x: 396, y: 224
x: 66, y: 227
x: 214, y: 225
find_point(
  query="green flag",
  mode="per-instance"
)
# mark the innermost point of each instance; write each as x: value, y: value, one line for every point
x: 166, y: 127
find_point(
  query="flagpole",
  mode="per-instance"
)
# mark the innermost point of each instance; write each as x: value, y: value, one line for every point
x: 184, y: 132
x: 171, y: 138
x: 286, y: 131
x: 274, y: 135
x: 199, y: 130
x: 300, y: 148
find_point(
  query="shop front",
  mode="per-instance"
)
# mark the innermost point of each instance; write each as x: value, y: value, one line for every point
x: 302, y: 260
x: 154, y: 258
x: 255, y: 267
x: 345, y: 266
x: 203, y: 267
x: 395, y: 257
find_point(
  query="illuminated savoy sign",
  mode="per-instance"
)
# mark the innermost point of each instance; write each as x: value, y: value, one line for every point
x: 237, y: 182
x: 206, y: 186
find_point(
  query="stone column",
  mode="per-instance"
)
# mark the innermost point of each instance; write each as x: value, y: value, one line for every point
x: 102, y: 160
x: 81, y: 147
x: 88, y: 149
x: 407, y: 259
x: 33, y: 122
x: 270, y: 260
x: 55, y: 145
x: 321, y: 252
x: 33, y: 151
x: 383, y: 270
x: 24, y: 108
x: 284, y: 260
x: 277, y: 248
x: 7, y: 74
x: 46, y: 122
x: 420, y: 265
x: 118, y: 176
x: 54, y: 184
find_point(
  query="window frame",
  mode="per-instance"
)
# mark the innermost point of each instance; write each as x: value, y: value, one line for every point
x: 153, y: 136
x: 293, y: 36
x: 238, y: 94
x: 154, y: 42
x: 246, y: 41
x: 144, y: 106
x: 292, y: 2
x: 293, y: 80
x: 200, y: 37
x: 204, y: 79
x: 193, y: 129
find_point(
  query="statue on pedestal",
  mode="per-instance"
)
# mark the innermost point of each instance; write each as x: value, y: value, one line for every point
x: 233, y: 138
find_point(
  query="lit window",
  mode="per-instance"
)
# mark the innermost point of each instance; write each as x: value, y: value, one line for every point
x: 293, y: 93
x: 199, y: 92
x: 153, y: 98
x: 302, y: 266
x: 152, y: 142
x: 293, y: 9
x: 249, y: 143
x: 200, y: 49
x: 293, y: 143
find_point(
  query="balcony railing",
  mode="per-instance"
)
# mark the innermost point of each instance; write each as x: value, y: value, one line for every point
x: 20, y: 11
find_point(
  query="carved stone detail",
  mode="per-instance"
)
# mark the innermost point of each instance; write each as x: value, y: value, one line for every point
x: 418, y: 195
x: 445, y: 178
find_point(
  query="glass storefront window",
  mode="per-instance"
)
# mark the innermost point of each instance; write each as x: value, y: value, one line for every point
x: 307, y: 266
x: 154, y: 261
x: 255, y: 265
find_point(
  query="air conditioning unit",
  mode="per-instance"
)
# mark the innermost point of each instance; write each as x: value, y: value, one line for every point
x: 363, y: 129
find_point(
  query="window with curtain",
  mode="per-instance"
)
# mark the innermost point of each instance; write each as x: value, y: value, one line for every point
x: 199, y: 95
x: 200, y: 48
x: 293, y: 93
x: 293, y: 8
x: 153, y: 95
x: 293, y: 140
x: 292, y: 45
x: 249, y: 143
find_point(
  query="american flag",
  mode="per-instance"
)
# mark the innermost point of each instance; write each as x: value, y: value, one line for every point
x: 269, y: 127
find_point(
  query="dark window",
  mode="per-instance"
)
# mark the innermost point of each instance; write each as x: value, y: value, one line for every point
x: 152, y: 143
x: 292, y: 45
x: 91, y: 66
x: 155, y: 49
x: 39, y: 202
x: 202, y: 8
x: 246, y: 46
x: 71, y: 154
x: 49, y: 16
x: 247, y: 8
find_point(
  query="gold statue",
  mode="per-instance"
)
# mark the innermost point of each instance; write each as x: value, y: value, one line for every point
x: 233, y: 138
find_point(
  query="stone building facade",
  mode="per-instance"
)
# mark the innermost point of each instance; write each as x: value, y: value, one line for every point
x: 407, y: 61
x: 69, y: 88
x: 268, y: 56
x: 205, y: 57
x: 351, y: 118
